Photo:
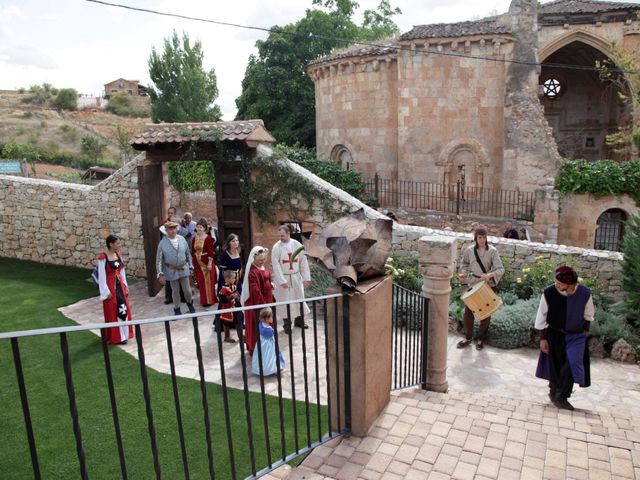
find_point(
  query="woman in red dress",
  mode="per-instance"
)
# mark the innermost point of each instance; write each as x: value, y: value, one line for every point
x: 257, y: 289
x: 114, y: 291
x: 203, y: 250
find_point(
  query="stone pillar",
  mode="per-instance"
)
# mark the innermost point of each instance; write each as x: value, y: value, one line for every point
x: 370, y: 354
x: 437, y: 265
x: 547, y: 214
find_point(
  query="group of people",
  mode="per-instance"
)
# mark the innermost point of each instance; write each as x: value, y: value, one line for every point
x: 187, y: 249
x: 564, y: 315
x: 520, y: 234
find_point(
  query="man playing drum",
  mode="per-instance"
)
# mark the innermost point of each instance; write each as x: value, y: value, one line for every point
x: 480, y: 262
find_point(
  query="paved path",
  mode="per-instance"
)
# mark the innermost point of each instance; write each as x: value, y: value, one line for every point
x: 495, y: 421
x: 184, y: 347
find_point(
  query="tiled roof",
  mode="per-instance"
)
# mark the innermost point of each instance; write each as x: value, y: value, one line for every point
x: 382, y: 49
x: 584, y: 6
x: 247, y: 130
x: 485, y: 26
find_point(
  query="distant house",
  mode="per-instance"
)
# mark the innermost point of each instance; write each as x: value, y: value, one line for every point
x: 132, y: 87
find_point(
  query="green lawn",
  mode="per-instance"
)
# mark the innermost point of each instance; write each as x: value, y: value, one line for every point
x: 31, y: 293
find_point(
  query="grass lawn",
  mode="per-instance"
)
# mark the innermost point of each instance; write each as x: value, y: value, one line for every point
x: 31, y: 293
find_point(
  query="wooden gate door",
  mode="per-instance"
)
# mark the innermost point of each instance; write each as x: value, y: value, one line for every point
x: 233, y: 214
x: 151, y: 188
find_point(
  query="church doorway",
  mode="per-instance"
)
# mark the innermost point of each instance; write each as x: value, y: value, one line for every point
x: 581, y: 107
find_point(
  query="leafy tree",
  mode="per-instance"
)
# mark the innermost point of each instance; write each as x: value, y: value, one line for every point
x: 276, y: 88
x: 631, y: 269
x: 67, y: 99
x: 92, y: 146
x: 183, y: 91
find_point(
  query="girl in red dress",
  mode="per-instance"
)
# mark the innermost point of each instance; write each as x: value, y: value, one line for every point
x: 114, y: 291
x: 203, y: 250
x: 257, y: 289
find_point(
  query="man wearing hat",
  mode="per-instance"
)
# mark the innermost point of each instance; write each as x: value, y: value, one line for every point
x: 565, y: 313
x: 174, y: 265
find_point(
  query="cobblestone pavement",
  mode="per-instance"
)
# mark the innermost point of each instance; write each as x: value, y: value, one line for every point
x: 495, y: 421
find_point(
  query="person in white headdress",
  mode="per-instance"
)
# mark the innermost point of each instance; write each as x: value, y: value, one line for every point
x: 257, y: 289
x: 291, y: 274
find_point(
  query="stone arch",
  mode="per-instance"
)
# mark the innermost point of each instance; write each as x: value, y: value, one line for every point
x: 467, y: 153
x: 582, y: 36
x: 610, y: 229
x: 341, y: 155
x: 586, y: 109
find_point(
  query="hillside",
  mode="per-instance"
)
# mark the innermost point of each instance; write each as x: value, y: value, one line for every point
x: 61, y: 132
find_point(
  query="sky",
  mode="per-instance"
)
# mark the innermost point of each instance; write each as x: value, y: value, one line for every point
x: 83, y: 45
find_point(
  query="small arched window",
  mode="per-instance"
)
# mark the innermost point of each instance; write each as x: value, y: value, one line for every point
x: 610, y: 229
x: 342, y: 156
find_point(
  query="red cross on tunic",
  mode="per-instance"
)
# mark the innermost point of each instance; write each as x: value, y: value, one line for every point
x: 295, y: 260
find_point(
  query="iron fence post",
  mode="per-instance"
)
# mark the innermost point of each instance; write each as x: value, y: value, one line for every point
x: 425, y: 343
x: 458, y: 198
x: 347, y: 362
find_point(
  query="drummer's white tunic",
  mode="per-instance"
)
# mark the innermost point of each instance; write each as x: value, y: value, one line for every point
x: 293, y: 272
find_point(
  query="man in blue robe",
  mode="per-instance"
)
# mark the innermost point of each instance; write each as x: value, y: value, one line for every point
x: 564, y: 315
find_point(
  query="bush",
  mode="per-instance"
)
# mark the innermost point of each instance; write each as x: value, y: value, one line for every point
x: 321, y: 280
x: 121, y: 104
x: 67, y: 99
x: 610, y: 327
x: 600, y: 178
x: 19, y: 151
x: 92, y: 146
x: 14, y: 150
x: 631, y: 269
x: 405, y: 270
x: 39, y: 94
x: 512, y: 324
x: 192, y: 176
x: 348, y: 180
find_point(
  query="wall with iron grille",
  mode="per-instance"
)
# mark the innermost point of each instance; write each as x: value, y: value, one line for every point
x: 66, y: 224
x: 603, y: 265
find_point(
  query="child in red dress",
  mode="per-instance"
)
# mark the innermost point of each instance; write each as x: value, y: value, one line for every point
x: 228, y: 295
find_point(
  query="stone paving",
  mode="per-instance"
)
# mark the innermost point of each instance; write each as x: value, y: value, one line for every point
x: 184, y: 346
x: 494, y: 423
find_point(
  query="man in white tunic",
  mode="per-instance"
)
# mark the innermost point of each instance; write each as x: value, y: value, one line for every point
x: 291, y: 275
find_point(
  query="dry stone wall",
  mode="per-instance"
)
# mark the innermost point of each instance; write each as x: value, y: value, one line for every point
x: 604, y: 266
x: 66, y: 224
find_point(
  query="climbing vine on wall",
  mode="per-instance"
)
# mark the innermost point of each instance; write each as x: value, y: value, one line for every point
x: 195, y: 170
x: 275, y: 188
x: 600, y: 178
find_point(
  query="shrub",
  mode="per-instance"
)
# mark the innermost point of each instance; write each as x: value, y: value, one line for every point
x: 509, y: 298
x: 610, y: 327
x: 321, y: 280
x: 192, y: 176
x: 17, y: 151
x: 67, y: 99
x: 631, y: 269
x: 121, y: 104
x: 93, y: 146
x: 27, y: 114
x: 348, y: 180
x: 405, y: 270
x: 38, y: 94
x: 511, y: 325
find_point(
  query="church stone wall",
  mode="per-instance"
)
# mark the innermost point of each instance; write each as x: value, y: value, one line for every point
x: 450, y: 112
x: 66, y: 224
x: 356, y: 107
x: 579, y: 215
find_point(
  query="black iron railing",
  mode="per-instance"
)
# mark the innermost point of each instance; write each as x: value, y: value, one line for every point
x: 454, y: 198
x: 261, y: 432
x: 409, y: 338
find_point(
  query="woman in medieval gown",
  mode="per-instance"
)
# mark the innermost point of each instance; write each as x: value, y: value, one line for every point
x: 114, y: 292
x: 203, y: 251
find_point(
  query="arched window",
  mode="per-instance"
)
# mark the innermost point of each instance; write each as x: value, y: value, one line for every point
x: 342, y: 156
x: 610, y: 229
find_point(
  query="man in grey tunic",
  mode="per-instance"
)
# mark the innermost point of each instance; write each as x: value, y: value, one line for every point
x: 480, y: 262
x: 174, y: 265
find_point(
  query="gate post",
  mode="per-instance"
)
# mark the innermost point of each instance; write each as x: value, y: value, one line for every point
x: 437, y: 265
x: 366, y: 364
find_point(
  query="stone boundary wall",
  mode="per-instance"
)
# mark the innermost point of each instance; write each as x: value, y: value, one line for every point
x: 603, y: 265
x: 66, y: 224
x: 200, y: 204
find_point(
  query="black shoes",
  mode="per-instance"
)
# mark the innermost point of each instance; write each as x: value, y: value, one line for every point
x: 463, y: 343
x: 560, y: 402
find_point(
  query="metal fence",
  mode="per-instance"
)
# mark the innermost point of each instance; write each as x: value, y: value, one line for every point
x: 410, y: 320
x: 261, y: 422
x: 454, y: 198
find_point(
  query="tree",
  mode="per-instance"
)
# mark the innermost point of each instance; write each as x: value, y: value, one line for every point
x: 92, y: 146
x: 631, y: 269
x: 67, y: 99
x: 183, y: 91
x: 275, y: 87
